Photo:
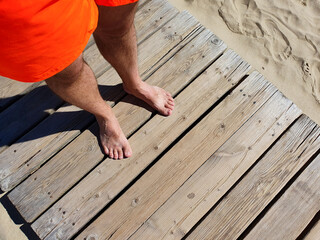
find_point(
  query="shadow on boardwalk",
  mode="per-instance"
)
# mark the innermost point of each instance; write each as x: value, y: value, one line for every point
x: 10, y: 118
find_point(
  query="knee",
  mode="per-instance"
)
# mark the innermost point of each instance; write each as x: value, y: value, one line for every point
x: 70, y: 73
x: 116, y: 31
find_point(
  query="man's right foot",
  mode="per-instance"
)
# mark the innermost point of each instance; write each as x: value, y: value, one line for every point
x: 113, y: 141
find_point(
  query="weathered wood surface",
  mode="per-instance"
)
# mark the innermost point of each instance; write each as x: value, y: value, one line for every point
x: 261, y: 184
x: 77, y: 153
x: 10, y: 91
x: 190, y: 104
x: 40, y: 144
x: 138, y: 203
x: 291, y: 214
x: 26, y: 113
x: 218, y: 174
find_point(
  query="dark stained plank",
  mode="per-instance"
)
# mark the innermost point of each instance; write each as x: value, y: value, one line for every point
x: 261, y: 184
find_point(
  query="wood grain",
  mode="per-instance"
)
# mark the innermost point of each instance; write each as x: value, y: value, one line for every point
x: 218, y: 174
x: 77, y: 153
x: 261, y: 184
x: 139, y: 202
x: 11, y: 91
x: 190, y: 104
x: 300, y: 203
x: 39, y: 145
x: 20, y: 117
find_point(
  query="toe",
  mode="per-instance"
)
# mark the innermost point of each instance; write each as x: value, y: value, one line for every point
x: 106, y: 150
x: 115, y: 154
x: 168, y: 106
x: 111, y: 153
x: 127, y: 153
x: 120, y: 154
x: 171, y: 103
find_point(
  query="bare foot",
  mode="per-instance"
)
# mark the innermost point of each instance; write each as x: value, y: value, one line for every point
x: 113, y: 141
x: 156, y: 97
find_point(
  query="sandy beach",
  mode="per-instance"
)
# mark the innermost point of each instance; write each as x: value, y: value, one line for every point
x: 280, y: 39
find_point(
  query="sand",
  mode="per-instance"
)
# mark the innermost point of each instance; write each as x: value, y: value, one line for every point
x: 8, y: 229
x: 280, y: 39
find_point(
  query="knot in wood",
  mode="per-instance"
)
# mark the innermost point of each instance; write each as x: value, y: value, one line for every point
x: 215, y: 41
x: 135, y: 202
x: 191, y: 195
x: 92, y: 237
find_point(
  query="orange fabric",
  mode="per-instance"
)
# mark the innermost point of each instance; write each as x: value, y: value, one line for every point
x: 39, y: 38
x: 114, y: 3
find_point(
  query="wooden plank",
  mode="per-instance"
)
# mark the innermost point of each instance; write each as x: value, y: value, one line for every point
x: 314, y: 232
x: 300, y: 203
x: 25, y: 113
x: 77, y: 152
x: 80, y: 204
x: 261, y: 184
x: 152, y: 16
x: 142, y: 199
x: 11, y: 91
x: 217, y: 175
x: 31, y: 151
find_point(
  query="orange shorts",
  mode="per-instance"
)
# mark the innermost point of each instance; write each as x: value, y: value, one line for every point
x: 40, y: 38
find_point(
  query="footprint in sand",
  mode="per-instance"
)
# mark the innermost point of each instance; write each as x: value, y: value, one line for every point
x: 242, y: 17
x: 311, y: 71
x: 276, y: 42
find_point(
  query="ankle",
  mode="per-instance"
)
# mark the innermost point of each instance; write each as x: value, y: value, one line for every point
x: 136, y: 88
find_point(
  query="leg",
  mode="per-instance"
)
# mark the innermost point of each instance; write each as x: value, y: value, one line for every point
x: 77, y: 85
x: 116, y: 39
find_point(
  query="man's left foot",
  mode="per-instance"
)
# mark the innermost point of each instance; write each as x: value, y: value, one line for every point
x: 156, y: 97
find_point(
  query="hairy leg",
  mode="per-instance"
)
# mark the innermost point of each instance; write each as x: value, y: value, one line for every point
x: 116, y: 39
x: 77, y: 85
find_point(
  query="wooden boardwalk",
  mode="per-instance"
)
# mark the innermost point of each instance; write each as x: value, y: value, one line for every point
x: 235, y: 160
